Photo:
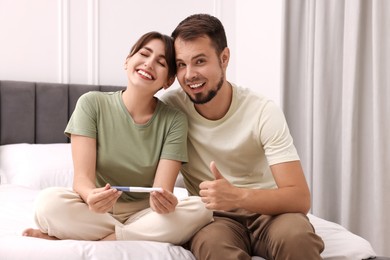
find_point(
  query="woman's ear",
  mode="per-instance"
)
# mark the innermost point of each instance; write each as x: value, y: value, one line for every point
x: 169, y: 83
x: 125, y: 65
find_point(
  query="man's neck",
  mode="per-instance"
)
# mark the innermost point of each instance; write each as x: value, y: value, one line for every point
x: 217, y: 107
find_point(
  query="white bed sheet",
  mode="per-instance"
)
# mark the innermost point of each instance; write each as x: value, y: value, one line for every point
x: 16, y: 214
x: 25, y: 169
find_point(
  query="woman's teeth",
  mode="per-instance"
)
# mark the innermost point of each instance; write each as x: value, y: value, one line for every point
x: 143, y: 73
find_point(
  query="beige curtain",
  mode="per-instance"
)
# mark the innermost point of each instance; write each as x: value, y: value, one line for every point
x: 336, y: 96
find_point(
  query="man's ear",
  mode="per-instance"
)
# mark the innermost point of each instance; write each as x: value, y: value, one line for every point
x: 225, y: 56
x: 169, y: 82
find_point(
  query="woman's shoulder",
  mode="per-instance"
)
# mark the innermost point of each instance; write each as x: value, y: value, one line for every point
x: 97, y: 96
x: 169, y: 108
x: 171, y: 111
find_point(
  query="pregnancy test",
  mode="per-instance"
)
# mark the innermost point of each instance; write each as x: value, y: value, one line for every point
x: 136, y: 189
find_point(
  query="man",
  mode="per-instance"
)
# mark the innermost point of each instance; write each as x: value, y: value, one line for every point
x: 242, y: 160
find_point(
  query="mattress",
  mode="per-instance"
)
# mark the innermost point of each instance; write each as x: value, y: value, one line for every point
x: 16, y: 214
x: 25, y: 169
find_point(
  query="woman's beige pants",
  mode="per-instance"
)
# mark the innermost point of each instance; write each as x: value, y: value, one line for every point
x: 60, y: 212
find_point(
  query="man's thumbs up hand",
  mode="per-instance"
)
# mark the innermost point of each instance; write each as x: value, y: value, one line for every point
x: 215, y: 171
x: 218, y: 194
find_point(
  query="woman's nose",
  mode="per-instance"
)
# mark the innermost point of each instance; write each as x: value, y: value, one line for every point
x: 148, y: 64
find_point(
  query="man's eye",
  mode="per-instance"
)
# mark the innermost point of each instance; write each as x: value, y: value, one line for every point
x: 200, y: 61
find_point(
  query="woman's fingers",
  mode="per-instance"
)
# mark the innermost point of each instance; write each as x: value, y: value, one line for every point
x: 164, y: 202
x: 101, y: 200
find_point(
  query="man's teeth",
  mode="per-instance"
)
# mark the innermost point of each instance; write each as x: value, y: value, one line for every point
x: 196, y: 85
x: 143, y: 73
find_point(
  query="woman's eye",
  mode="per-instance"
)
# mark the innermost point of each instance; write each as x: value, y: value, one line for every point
x: 161, y: 63
x: 180, y: 65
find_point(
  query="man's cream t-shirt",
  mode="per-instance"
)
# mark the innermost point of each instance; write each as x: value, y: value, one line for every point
x: 244, y: 143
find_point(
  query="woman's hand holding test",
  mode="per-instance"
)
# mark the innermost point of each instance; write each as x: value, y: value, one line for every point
x: 163, y: 202
x: 101, y: 200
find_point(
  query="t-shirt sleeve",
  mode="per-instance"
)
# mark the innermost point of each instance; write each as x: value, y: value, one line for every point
x: 175, y: 144
x: 275, y: 136
x: 83, y: 120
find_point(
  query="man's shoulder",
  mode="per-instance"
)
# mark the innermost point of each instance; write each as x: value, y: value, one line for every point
x: 175, y: 97
x: 172, y: 94
x: 249, y: 97
x: 247, y: 92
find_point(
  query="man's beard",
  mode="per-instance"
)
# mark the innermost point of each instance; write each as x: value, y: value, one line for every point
x: 200, y: 99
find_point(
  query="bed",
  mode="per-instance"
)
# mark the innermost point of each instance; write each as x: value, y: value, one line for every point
x: 34, y: 154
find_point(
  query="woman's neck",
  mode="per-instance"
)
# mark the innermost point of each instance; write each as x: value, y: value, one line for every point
x: 140, y: 106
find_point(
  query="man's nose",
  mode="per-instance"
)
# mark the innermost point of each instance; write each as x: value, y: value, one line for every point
x: 190, y: 73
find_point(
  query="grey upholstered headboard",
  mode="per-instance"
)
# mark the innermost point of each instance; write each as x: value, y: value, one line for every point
x: 35, y: 112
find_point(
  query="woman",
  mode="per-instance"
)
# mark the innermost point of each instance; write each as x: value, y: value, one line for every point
x: 125, y: 138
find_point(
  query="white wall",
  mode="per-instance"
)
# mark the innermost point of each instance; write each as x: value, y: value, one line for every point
x: 86, y: 41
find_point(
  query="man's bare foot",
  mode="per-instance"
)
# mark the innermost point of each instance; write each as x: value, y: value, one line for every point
x: 30, y: 232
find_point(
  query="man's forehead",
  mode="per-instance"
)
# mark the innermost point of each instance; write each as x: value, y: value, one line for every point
x: 194, y: 47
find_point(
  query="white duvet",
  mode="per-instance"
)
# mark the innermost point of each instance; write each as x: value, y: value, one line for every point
x: 26, y: 169
x: 16, y: 214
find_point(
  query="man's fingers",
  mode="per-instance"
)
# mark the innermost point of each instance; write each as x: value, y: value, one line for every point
x: 215, y: 171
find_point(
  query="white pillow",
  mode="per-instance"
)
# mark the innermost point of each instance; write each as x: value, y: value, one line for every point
x: 340, y: 243
x: 36, y: 165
